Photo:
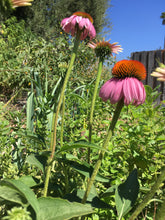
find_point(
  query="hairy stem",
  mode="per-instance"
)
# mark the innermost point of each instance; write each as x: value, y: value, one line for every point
x: 62, y: 121
x: 104, y: 147
x: 93, y: 103
x: 55, y: 115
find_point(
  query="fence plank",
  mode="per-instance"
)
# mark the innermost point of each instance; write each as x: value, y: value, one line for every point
x: 144, y: 60
x: 151, y: 60
x: 151, y: 67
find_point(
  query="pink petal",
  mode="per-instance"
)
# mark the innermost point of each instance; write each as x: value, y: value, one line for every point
x: 134, y: 91
x: 84, y: 34
x: 116, y: 91
x: 82, y: 23
x: 92, y: 45
x: 105, y: 91
x: 73, y: 22
x: 113, y: 90
x: 92, y: 32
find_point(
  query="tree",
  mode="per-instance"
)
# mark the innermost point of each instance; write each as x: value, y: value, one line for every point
x: 44, y: 16
x: 163, y: 17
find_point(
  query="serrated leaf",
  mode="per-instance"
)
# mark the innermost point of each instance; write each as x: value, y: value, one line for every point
x: 126, y: 194
x: 60, y: 209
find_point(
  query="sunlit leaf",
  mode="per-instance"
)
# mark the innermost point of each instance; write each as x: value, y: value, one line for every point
x: 60, y: 209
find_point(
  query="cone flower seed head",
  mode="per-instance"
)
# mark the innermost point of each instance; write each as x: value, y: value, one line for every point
x: 105, y: 48
x: 79, y: 23
x: 125, y: 83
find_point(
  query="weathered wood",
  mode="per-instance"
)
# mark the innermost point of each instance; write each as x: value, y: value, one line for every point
x: 151, y: 60
x: 144, y: 60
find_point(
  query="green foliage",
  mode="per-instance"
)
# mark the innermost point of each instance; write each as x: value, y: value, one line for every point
x: 17, y: 213
x: 5, y: 7
x: 21, y: 50
x: 163, y: 17
x: 44, y: 17
x: 15, y: 191
x: 138, y: 142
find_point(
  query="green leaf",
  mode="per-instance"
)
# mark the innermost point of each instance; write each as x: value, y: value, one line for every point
x: 34, y: 160
x: 31, y: 137
x: 110, y: 191
x: 161, y: 138
x: 10, y: 194
x: 23, y: 191
x: 85, y: 169
x: 29, y: 180
x: 30, y: 111
x: 126, y: 194
x: 60, y: 209
x: 78, y: 144
x: 93, y: 199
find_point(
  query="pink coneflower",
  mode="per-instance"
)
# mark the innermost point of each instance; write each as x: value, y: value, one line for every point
x: 105, y: 48
x: 125, y: 83
x: 160, y: 73
x: 80, y: 23
x: 20, y: 3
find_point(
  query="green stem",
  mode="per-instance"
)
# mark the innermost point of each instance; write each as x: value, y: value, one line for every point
x: 54, y: 129
x: 93, y: 103
x: 62, y: 121
x: 55, y: 115
x: 161, y: 213
x: 149, y: 196
x: 104, y: 147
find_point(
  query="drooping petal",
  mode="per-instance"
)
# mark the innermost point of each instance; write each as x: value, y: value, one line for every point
x: 116, y: 91
x: 134, y: 91
x: 105, y: 90
x: 92, y: 32
x: 20, y: 3
x: 82, y: 23
x: 103, y: 49
x: 79, y: 23
x: 84, y: 34
x: 116, y: 48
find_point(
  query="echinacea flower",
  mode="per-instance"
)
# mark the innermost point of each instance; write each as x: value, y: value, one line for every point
x: 160, y: 73
x: 105, y: 48
x: 80, y: 23
x: 125, y: 83
x: 20, y: 3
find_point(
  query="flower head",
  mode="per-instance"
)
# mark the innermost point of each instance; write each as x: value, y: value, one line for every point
x: 80, y: 23
x: 105, y: 48
x: 20, y: 3
x: 125, y: 83
x: 159, y: 72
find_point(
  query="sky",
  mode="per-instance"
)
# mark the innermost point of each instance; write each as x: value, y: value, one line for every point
x: 136, y: 25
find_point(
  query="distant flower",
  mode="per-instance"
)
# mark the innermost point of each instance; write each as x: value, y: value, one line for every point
x: 20, y: 3
x: 125, y: 83
x: 159, y: 72
x: 80, y: 23
x: 105, y: 48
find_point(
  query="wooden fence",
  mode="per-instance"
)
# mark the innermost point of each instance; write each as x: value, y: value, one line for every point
x: 150, y: 60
